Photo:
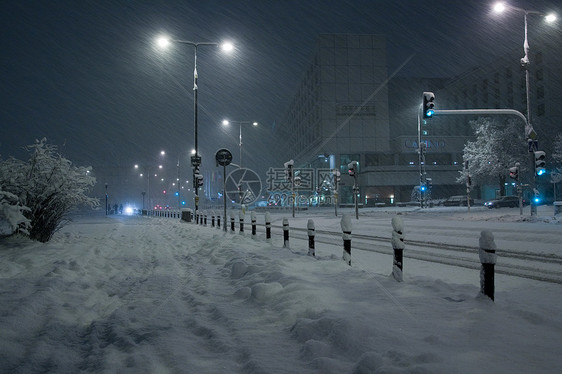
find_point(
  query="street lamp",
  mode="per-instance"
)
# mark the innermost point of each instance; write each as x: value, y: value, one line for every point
x: 147, y: 171
x: 500, y: 7
x: 164, y: 42
x: 227, y: 122
x: 525, y: 63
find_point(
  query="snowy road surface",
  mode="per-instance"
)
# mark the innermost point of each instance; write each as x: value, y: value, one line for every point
x: 154, y: 295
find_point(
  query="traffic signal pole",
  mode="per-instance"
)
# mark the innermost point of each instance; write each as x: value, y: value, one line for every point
x: 530, y: 134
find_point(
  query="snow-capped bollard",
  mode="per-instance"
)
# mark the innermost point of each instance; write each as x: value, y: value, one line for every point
x: 311, y: 233
x: 232, y: 223
x: 205, y: 215
x: 253, y: 218
x: 197, y: 217
x: 398, y: 246
x: 241, y: 219
x: 267, y: 226
x: 285, y: 233
x: 212, y: 218
x: 218, y: 221
x: 346, y: 228
x: 487, y: 254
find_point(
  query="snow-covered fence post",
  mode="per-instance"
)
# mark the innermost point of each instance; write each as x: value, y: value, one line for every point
x: 231, y: 222
x: 285, y: 233
x: 346, y: 227
x: 311, y: 233
x: 253, y: 218
x: 267, y: 226
x: 212, y: 218
x: 241, y: 219
x: 398, y: 246
x: 487, y: 254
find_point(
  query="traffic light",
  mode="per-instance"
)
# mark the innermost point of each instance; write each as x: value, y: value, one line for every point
x: 352, y: 168
x: 199, y: 179
x: 337, y: 177
x: 537, y: 197
x: 428, y: 104
x: 514, y: 172
x: 540, y: 162
x: 289, y: 170
x: 429, y: 183
x: 423, y: 187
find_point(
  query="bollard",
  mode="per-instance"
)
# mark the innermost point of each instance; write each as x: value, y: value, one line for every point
x: 398, y: 246
x: 346, y: 228
x: 197, y: 217
x: 285, y: 233
x: 241, y: 219
x: 205, y: 215
x: 310, y: 227
x: 487, y: 254
x: 267, y: 226
x: 253, y: 218
x: 212, y: 218
x: 218, y: 221
x: 231, y: 223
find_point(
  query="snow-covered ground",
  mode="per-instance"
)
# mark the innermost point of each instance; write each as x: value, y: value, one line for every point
x: 154, y: 295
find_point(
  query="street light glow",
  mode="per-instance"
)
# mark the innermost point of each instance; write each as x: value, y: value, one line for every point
x: 499, y: 7
x: 163, y: 42
x: 550, y: 17
x: 225, y: 122
x: 255, y: 123
x: 162, y: 153
x: 227, y: 47
x: 193, y: 151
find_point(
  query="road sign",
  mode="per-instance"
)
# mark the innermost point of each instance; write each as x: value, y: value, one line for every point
x: 223, y: 157
x: 195, y: 161
x: 533, y: 145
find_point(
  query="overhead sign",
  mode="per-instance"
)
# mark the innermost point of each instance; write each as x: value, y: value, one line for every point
x: 223, y: 157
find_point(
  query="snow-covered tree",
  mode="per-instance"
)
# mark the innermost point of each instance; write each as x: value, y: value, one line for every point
x: 49, y: 185
x: 497, y: 147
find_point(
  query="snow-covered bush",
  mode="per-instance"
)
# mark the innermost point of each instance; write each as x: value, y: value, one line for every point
x: 49, y: 185
x: 11, y: 215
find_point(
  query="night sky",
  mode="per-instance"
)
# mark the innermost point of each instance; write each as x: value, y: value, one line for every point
x: 88, y: 76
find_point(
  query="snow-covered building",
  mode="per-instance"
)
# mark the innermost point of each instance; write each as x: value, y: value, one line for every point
x: 348, y: 108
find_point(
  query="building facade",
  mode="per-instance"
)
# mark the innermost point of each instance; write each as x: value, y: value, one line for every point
x: 347, y: 109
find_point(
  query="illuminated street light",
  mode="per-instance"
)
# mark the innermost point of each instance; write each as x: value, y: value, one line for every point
x: 226, y: 122
x: 165, y: 42
x: 525, y: 63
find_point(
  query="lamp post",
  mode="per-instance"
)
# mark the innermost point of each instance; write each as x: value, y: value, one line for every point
x: 526, y: 63
x: 227, y: 122
x: 147, y: 172
x: 195, y: 159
